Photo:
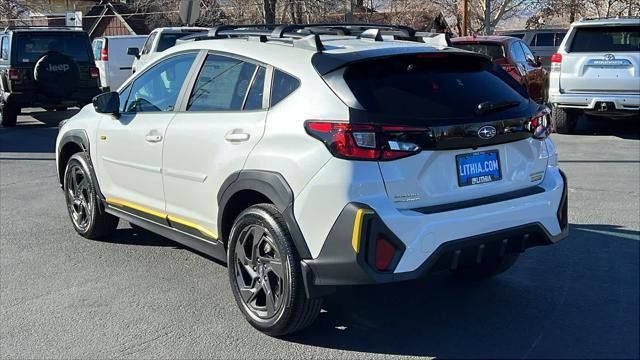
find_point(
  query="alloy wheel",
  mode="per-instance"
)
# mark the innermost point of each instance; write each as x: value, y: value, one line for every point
x: 79, y: 199
x: 259, y: 271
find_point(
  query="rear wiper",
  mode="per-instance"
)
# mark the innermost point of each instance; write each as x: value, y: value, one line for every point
x: 488, y: 106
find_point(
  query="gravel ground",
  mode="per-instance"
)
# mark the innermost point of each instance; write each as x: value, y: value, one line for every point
x: 141, y: 296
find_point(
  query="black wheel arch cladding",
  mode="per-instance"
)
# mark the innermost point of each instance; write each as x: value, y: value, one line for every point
x: 77, y: 139
x: 272, y: 186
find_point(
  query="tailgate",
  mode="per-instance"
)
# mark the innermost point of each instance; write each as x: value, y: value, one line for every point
x: 604, y: 59
x: 434, y: 177
x: 450, y: 127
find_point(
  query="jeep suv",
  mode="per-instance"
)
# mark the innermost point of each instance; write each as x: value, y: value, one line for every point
x: 309, y: 157
x: 596, y: 71
x: 45, y: 67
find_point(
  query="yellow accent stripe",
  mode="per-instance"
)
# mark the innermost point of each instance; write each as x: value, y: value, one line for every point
x: 159, y: 214
x: 203, y: 230
x: 357, y: 228
x: 136, y: 207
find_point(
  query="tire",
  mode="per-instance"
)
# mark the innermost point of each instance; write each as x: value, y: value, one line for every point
x: 486, y: 269
x: 8, y: 115
x: 565, y: 122
x: 83, y: 205
x: 265, y: 275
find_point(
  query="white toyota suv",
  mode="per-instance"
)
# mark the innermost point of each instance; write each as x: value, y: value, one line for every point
x: 308, y: 157
x: 596, y: 71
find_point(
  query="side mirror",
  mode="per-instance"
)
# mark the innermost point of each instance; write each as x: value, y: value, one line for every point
x: 539, y: 60
x: 107, y: 103
x: 133, y: 52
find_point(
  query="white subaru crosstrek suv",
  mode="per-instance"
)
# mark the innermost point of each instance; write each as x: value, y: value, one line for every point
x: 596, y: 72
x: 312, y: 157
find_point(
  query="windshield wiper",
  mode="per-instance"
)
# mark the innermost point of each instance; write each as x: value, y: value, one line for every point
x: 488, y: 106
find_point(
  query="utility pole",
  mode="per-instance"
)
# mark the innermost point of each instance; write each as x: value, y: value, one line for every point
x: 487, y: 18
x: 348, y: 11
x: 464, y: 18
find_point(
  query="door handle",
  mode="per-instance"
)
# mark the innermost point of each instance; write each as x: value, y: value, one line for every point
x: 236, y: 136
x: 153, y: 137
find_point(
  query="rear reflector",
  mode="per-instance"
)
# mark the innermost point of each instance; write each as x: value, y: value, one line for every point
x: 385, y: 251
x: 14, y: 74
x: 94, y: 72
x: 367, y: 141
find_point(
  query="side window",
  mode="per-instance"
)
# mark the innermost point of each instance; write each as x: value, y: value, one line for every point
x: 158, y: 88
x: 283, y: 85
x: 147, y: 45
x: 543, y: 39
x: 221, y: 85
x: 528, y: 54
x: 124, y: 95
x: 4, y: 52
x: 256, y: 92
x: 516, y: 52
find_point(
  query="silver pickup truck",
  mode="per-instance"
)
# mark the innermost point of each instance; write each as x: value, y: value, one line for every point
x: 596, y: 71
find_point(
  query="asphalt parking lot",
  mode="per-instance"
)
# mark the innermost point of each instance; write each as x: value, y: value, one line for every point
x: 140, y: 296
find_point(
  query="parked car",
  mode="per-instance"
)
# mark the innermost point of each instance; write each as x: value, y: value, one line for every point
x: 542, y: 42
x: 49, y: 67
x: 159, y: 40
x: 110, y: 54
x: 308, y: 161
x: 513, y: 56
x: 596, y: 71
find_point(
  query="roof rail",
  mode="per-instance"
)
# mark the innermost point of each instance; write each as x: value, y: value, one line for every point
x: 307, y: 36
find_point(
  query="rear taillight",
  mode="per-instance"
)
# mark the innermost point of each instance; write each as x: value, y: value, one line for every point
x: 556, y: 61
x: 14, y: 74
x: 385, y: 251
x: 104, y: 55
x: 368, y: 142
x: 94, y: 72
x: 540, y: 125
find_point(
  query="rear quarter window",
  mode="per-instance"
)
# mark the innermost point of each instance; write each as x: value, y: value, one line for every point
x: 606, y: 38
x: 283, y: 85
x: 429, y: 88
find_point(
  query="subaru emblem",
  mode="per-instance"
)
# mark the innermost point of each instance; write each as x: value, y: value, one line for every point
x: 487, y: 132
x: 609, y: 57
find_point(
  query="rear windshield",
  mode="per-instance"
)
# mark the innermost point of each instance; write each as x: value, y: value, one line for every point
x: 32, y: 46
x: 168, y: 40
x: 418, y: 87
x: 606, y: 38
x: 494, y: 51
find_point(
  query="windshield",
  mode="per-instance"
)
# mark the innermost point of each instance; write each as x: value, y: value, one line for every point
x: 417, y: 86
x: 606, y: 38
x: 494, y: 51
x: 32, y: 46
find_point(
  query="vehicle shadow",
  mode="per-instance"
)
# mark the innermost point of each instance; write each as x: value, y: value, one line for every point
x: 35, y: 131
x: 623, y: 128
x: 575, y: 299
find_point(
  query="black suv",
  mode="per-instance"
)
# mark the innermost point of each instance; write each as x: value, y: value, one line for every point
x: 46, y: 67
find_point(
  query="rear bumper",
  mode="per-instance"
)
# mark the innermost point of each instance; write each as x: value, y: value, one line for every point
x: 36, y: 99
x: 612, y: 103
x: 424, y: 244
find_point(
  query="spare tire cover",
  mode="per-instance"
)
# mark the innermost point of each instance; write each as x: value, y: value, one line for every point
x: 57, y: 74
